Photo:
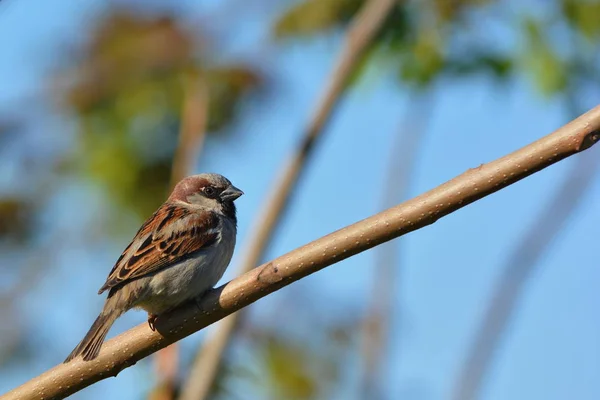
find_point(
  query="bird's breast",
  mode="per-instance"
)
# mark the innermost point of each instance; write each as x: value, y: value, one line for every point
x: 193, y: 276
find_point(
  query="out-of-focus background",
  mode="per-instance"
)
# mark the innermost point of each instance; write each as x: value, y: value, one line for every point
x: 496, y: 301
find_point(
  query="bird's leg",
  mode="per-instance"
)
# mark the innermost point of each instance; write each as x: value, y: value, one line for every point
x: 151, y: 320
x: 198, y: 301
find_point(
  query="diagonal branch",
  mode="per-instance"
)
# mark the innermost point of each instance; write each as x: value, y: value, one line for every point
x: 519, y: 267
x: 362, y: 30
x: 139, y: 342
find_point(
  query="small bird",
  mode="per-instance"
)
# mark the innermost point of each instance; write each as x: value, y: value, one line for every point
x: 179, y: 253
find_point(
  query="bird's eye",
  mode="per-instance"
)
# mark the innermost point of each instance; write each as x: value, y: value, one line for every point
x: 209, y: 191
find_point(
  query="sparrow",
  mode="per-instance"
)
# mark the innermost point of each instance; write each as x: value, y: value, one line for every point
x: 178, y: 254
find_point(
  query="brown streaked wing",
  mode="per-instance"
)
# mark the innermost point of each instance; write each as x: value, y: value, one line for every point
x: 162, y: 246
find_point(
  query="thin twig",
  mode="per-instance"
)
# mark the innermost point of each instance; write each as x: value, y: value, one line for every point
x: 139, y: 342
x: 360, y: 33
x: 191, y: 138
x: 403, y: 156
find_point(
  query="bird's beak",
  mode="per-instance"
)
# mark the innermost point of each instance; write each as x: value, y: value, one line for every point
x: 231, y: 193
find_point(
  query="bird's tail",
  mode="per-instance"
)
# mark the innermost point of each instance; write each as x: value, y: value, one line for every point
x: 89, y: 347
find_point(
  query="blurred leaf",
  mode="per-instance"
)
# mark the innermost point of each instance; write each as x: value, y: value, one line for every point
x: 127, y: 51
x: 424, y: 60
x: 418, y: 47
x: 115, y: 159
x: 128, y: 96
x: 226, y: 86
x: 315, y: 16
x: 290, y: 364
x: 389, y: 42
x: 303, y: 368
x: 449, y: 10
x: 396, y: 29
x: 15, y: 218
x: 221, y: 388
x: 583, y: 16
x: 498, y: 66
x: 163, y: 391
x: 545, y: 67
x: 287, y: 366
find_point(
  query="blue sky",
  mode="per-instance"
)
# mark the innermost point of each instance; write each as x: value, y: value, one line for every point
x: 552, y: 347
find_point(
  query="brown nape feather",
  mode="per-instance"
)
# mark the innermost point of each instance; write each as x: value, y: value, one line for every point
x: 90, y: 346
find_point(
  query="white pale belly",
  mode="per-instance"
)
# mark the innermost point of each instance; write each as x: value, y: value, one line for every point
x: 189, y: 279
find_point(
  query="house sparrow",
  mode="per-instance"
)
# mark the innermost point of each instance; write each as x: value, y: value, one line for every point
x: 180, y: 252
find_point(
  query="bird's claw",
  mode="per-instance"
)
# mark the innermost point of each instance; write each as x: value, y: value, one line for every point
x: 198, y: 302
x: 151, y: 320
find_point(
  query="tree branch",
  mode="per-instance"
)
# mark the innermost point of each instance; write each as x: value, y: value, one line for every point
x: 139, y: 342
x: 360, y: 33
x: 525, y: 257
x: 518, y: 268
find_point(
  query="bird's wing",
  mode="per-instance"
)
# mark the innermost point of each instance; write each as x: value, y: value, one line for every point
x: 170, y: 235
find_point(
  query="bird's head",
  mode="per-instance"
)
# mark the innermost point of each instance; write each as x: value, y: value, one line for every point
x: 210, y: 191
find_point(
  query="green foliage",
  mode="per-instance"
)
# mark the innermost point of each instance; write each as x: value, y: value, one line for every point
x: 127, y: 92
x: 288, y: 369
x: 496, y: 65
x: 297, y: 368
x: 129, y: 58
x: 414, y: 35
x: 422, y: 59
x: 450, y: 11
x: 315, y: 16
x: 542, y: 62
x: 226, y: 86
x: 128, y: 97
x: 419, y: 36
x: 288, y: 362
x: 583, y: 16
